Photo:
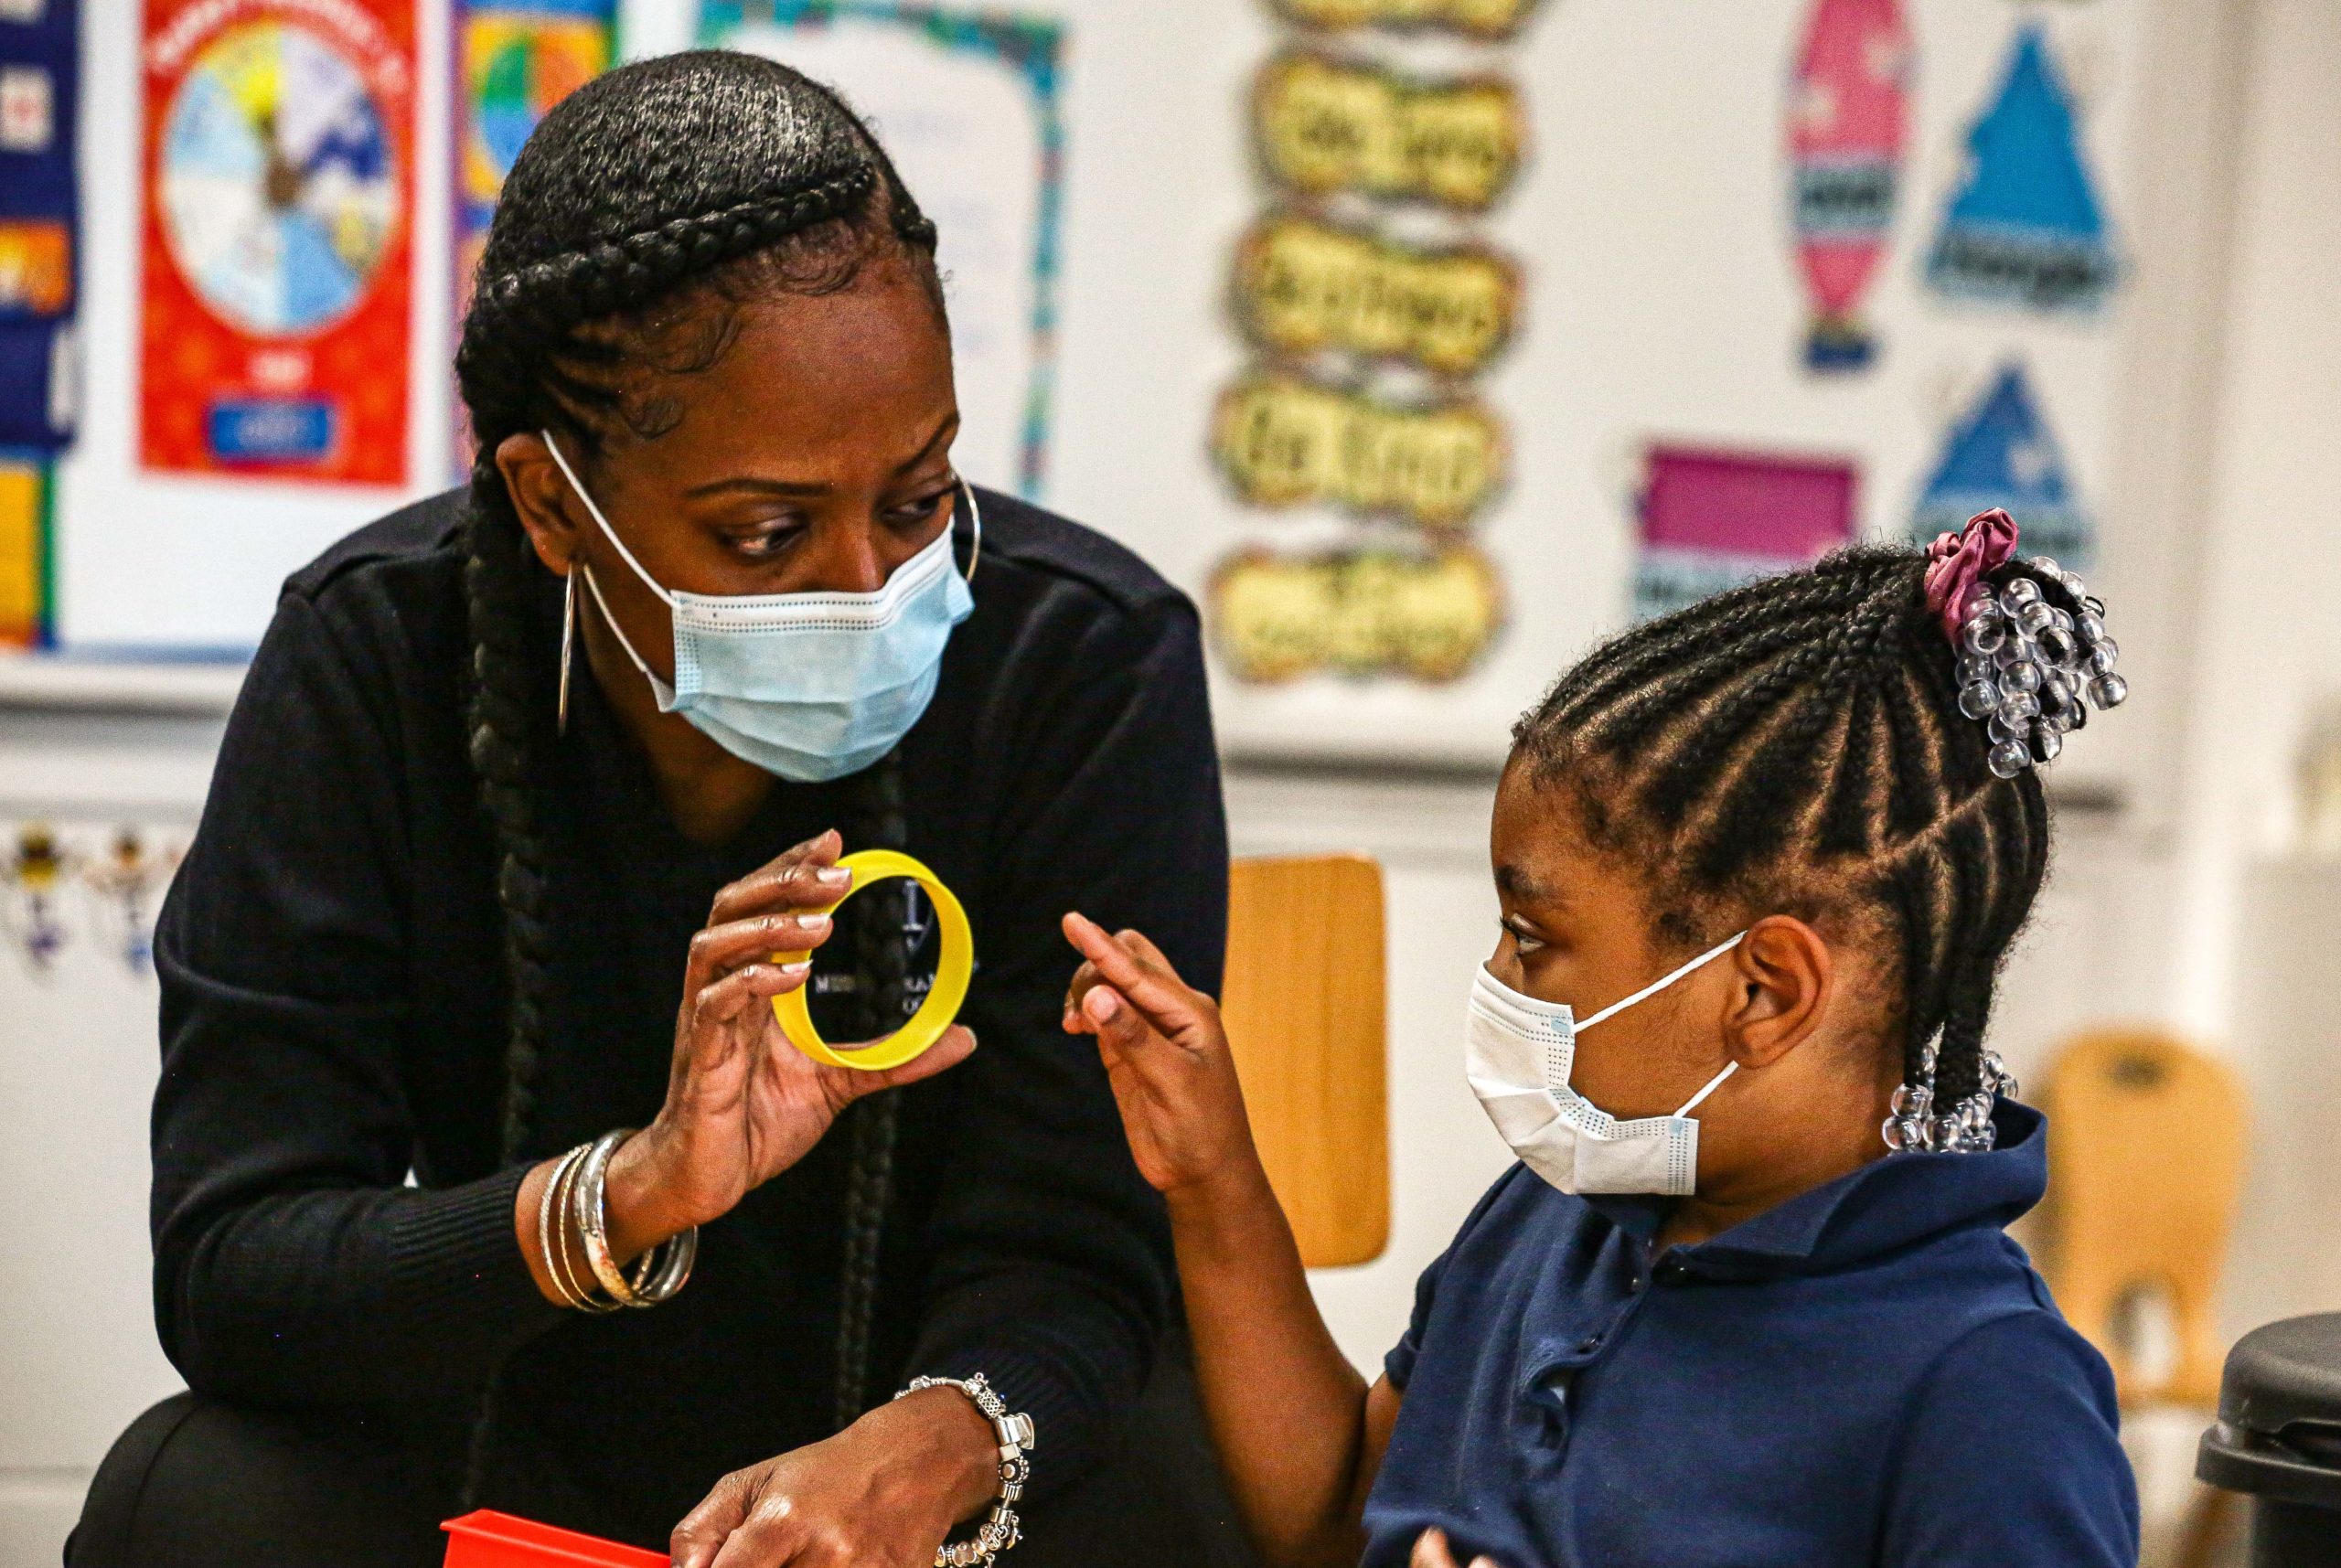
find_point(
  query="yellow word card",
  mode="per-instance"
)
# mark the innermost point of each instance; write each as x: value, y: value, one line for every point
x: 1473, y: 18
x: 1326, y: 125
x: 1355, y: 612
x: 1284, y: 442
x: 1301, y: 287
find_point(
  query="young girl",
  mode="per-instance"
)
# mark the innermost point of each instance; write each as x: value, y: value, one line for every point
x: 1746, y: 1299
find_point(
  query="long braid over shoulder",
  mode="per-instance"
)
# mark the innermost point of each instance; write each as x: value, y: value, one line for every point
x: 880, y: 927
x: 643, y: 210
x: 1796, y: 746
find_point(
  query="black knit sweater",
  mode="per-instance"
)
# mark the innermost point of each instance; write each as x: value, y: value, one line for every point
x: 333, y: 1019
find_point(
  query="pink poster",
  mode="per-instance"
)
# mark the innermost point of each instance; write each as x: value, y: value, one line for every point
x: 1713, y: 519
x: 1847, y: 103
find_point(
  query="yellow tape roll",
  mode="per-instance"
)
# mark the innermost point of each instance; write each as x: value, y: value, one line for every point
x: 952, y: 972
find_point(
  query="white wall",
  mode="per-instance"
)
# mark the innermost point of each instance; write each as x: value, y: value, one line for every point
x: 2265, y: 602
x: 77, y: 1059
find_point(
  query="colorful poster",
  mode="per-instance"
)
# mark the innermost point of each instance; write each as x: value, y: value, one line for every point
x: 40, y: 210
x: 1323, y: 124
x: 1365, y: 610
x: 24, y: 549
x: 1711, y: 520
x: 1845, y: 123
x: 967, y: 101
x: 2001, y: 454
x: 514, y: 61
x: 2024, y: 227
x: 278, y: 196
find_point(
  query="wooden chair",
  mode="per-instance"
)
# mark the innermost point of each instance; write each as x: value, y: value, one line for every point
x: 2145, y: 1158
x: 1303, y: 1001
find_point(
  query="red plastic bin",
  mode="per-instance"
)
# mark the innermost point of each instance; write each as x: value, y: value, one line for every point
x: 490, y: 1539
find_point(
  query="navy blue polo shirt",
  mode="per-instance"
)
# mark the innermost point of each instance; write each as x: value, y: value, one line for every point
x: 1871, y: 1374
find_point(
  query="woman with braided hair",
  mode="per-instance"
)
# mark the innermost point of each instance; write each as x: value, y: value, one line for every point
x: 713, y: 611
x: 1775, y: 846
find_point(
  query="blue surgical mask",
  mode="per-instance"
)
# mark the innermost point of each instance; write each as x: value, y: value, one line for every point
x: 810, y: 687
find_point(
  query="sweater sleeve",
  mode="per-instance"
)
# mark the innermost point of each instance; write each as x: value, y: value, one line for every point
x: 1053, y: 1275
x: 2012, y: 1457
x: 291, y: 1263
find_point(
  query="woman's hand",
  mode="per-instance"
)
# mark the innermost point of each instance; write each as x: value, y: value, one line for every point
x: 881, y: 1494
x: 1166, y: 1054
x: 743, y: 1103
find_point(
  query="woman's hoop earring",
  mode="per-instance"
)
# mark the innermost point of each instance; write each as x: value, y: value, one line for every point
x: 975, y: 518
x: 568, y: 642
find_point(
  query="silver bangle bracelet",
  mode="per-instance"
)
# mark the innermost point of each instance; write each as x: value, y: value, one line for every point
x: 548, y: 1239
x: 999, y: 1529
x: 659, y: 1272
x: 574, y: 1196
x: 557, y: 1206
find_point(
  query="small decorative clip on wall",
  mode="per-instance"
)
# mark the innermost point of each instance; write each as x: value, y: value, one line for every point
x: 127, y: 880
x: 31, y: 873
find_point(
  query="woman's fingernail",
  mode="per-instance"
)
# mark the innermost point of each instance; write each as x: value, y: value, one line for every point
x: 833, y: 876
x: 796, y: 971
x: 813, y: 924
x: 1101, y: 1004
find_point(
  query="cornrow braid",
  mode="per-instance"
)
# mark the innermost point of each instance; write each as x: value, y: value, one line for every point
x: 881, y: 949
x: 546, y: 300
x: 1797, y: 745
x: 507, y: 722
x: 676, y: 185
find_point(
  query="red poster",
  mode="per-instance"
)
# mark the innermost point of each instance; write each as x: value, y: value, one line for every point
x: 280, y: 193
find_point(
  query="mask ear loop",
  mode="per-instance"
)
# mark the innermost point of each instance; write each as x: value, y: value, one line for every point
x: 1713, y: 1085
x: 1656, y: 986
x: 604, y: 523
x: 568, y: 641
x: 975, y: 518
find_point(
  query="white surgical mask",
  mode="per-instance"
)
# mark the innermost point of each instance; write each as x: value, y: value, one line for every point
x: 1517, y: 1053
x: 805, y: 686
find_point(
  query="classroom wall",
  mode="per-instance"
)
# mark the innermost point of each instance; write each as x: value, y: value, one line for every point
x: 2270, y: 546
x: 2235, y: 462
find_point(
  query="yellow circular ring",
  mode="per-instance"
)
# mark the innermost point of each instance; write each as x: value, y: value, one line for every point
x: 952, y: 972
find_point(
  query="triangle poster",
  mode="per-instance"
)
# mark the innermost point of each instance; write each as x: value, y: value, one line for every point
x: 2024, y: 227
x: 2001, y: 453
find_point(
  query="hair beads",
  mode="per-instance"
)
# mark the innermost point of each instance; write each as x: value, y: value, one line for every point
x: 2030, y: 670
x: 1911, y: 1123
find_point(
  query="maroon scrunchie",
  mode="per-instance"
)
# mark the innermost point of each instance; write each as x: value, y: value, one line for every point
x: 1956, y: 563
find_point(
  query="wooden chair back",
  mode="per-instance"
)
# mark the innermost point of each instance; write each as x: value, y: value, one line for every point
x: 1303, y: 1001
x: 2145, y: 1156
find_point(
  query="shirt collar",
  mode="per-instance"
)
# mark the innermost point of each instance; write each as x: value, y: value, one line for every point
x: 1886, y: 1205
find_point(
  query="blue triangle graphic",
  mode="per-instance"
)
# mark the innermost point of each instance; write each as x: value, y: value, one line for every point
x: 2026, y: 227
x: 2001, y: 454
